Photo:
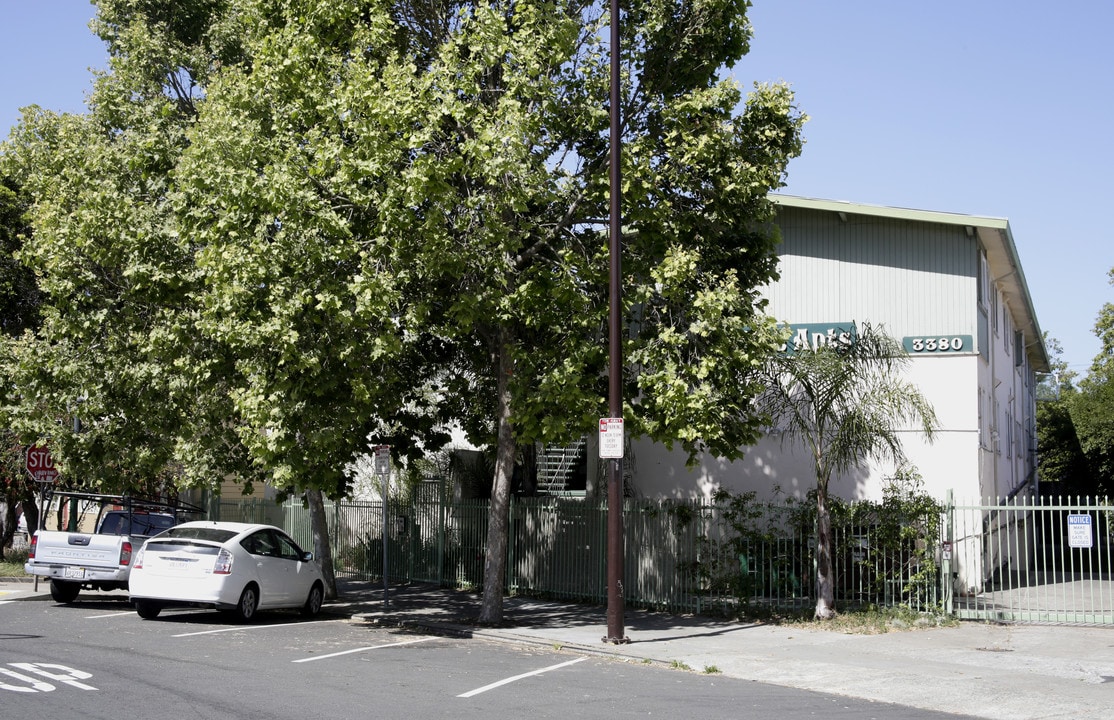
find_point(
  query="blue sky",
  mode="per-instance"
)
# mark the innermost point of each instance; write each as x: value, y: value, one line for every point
x: 985, y: 107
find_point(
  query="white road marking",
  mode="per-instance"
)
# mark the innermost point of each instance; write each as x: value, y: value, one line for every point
x: 64, y: 674
x: 249, y: 627
x: 494, y: 685
x: 361, y: 649
x: 115, y: 614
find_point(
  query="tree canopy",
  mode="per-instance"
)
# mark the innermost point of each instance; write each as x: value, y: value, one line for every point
x: 284, y: 226
x: 1075, y: 431
x: 1092, y: 408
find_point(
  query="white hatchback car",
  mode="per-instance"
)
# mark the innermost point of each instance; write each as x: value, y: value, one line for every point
x: 234, y: 567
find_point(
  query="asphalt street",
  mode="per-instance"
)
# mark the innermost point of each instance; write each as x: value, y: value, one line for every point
x: 96, y: 658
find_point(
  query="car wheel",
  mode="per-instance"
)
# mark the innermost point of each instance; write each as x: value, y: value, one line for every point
x: 249, y: 603
x: 64, y: 592
x: 313, y: 602
x: 147, y: 610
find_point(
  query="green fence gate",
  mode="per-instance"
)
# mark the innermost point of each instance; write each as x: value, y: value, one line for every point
x: 1039, y: 560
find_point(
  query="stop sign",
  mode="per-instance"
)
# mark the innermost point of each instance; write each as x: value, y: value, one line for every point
x: 40, y: 464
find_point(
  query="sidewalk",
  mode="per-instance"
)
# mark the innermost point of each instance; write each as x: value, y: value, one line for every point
x: 994, y: 671
x: 1010, y: 672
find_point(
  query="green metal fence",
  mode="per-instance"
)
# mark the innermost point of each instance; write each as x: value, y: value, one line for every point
x: 1045, y: 560
x: 1042, y: 560
x: 680, y: 556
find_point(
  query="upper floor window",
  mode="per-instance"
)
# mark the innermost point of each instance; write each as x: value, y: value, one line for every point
x: 984, y: 280
x: 994, y: 311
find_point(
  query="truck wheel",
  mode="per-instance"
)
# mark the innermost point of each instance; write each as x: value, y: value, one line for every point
x: 63, y: 591
x: 147, y: 610
x: 249, y: 603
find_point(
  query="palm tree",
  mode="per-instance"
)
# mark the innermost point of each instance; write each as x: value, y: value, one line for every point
x: 847, y: 402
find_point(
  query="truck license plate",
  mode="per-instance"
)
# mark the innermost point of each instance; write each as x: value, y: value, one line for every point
x: 73, y: 573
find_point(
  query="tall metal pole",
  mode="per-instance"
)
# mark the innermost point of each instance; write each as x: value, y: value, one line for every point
x: 615, y: 549
x: 383, y: 470
x: 386, y: 586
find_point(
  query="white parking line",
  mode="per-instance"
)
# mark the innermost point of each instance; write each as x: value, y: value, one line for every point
x: 115, y: 614
x: 249, y: 627
x: 361, y: 649
x: 494, y: 685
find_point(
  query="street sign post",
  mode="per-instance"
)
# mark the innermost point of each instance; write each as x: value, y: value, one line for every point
x: 383, y: 470
x: 40, y: 466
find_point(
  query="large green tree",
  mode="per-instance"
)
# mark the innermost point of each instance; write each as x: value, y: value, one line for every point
x: 19, y: 292
x: 1092, y: 407
x: 312, y: 220
x: 19, y: 313
x: 117, y: 348
x: 1061, y: 464
x: 844, y: 403
x: 400, y: 207
x: 133, y: 393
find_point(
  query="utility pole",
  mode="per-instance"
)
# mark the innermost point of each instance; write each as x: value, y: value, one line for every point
x: 615, y: 547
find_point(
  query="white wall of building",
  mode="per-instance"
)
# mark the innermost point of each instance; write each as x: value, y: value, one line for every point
x: 913, y: 273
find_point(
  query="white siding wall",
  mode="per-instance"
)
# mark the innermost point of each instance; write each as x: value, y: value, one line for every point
x: 914, y: 278
x: 1006, y: 452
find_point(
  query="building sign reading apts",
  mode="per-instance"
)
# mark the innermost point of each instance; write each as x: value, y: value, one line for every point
x: 935, y: 344
x: 811, y: 336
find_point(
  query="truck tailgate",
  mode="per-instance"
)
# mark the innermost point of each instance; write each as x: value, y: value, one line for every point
x: 63, y: 548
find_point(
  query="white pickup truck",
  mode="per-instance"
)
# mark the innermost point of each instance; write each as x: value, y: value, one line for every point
x: 100, y: 560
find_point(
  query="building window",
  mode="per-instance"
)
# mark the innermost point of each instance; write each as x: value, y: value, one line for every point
x: 1009, y: 432
x: 994, y: 310
x: 984, y: 280
x: 994, y: 427
x: 984, y: 430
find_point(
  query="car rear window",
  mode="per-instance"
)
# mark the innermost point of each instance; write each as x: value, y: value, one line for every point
x: 149, y: 524
x: 199, y: 533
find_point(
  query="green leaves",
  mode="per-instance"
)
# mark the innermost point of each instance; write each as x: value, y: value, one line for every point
x: 284, y: 226
x: 847, y: 403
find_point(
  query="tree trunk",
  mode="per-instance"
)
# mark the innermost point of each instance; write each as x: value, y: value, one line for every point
x: 495, y: 561
x: 30, y: 510
x: 8, y: 523
x: 322, y: 549
x: 825, y: 574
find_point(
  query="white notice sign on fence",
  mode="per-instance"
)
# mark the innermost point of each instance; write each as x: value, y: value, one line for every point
x: 1079, y: 531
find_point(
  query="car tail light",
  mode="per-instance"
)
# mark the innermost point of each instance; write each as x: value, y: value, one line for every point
x: 125, y: 553
x: 139, y: 559
x: 34, y: 544
x: 223, y: 564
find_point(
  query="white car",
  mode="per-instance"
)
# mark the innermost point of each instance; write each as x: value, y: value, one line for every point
x: 234, y: 567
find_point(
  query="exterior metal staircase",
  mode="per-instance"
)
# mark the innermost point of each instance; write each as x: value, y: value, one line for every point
x: 559, y: 464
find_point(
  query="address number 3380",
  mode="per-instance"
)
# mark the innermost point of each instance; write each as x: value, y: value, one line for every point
x: 937, y: 344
